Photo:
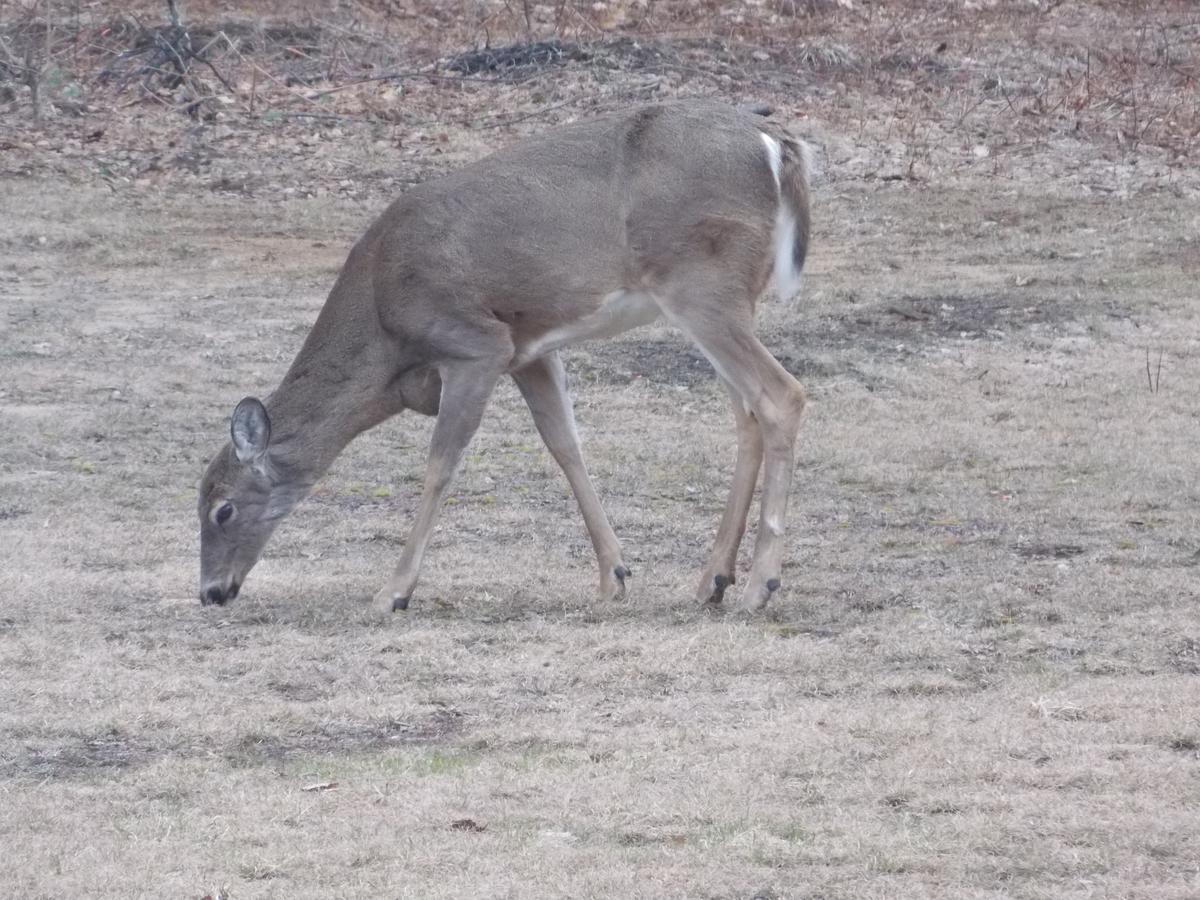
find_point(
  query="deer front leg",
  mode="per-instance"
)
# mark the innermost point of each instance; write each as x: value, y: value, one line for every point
x: 719, y: 573
x: 466, y: 387
x: 543, y: 383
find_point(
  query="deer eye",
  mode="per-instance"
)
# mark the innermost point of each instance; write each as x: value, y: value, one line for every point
x: 223, y: 513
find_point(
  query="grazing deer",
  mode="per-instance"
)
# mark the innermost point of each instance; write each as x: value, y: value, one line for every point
x: 682, y: 210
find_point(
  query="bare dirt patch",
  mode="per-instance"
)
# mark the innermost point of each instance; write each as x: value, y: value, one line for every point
x: 89, y: 756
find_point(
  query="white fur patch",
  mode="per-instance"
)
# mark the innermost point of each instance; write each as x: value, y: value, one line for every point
x: 619, y: 311
x: 787, y: 276
x: 774, y: 155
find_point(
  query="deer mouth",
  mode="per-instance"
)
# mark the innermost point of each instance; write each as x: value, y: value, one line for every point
x: 216, y: 596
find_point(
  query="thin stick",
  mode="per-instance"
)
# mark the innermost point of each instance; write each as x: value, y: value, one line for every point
x: 295, y: 93
x: 257, y: 68
x: 165, y: 44
x: 493, y: 123
x: 147, y: 94
x: 528, y: 22
x: 332, y: 117
x: 1007, y: 99
x: 31, y: 79
x: 13, y: 62
x: 220, y: 78
x: 432, y: 76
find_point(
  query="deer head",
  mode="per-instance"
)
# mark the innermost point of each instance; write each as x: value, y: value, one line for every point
x: 241, y: 500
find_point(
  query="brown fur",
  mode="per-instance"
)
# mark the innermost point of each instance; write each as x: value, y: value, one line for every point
x: 477, y: 274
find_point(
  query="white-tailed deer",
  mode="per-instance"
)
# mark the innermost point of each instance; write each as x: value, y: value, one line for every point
x: 682, y: 210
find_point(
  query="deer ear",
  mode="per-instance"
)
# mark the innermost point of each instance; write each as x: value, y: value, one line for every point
x: 250, y: 429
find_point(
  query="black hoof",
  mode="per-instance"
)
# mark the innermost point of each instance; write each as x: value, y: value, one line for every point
x: 622, y: 573
x: 773, y: 585
x: 720, y: 583
x: 400, y: 603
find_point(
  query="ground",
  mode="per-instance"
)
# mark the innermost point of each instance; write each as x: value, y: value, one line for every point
x: 980, y: 679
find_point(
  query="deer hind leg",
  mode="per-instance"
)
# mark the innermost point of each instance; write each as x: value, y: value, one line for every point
x: 466, y: 387
x: 723, y: 331
x: 543, y: 383
x: 719, y: 573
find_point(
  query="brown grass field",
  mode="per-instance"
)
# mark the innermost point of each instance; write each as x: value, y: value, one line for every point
x: 981, y: 678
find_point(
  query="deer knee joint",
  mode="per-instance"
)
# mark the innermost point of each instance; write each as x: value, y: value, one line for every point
x: 780, y: 416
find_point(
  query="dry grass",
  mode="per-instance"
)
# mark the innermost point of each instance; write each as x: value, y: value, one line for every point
x: 981, y: 681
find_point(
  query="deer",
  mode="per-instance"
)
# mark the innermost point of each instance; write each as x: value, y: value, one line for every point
x: 682, y: 211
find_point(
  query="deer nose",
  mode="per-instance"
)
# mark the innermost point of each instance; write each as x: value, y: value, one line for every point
x: 213, y: 595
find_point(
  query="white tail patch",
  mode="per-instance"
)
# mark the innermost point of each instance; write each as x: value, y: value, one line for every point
x: 787, y: 276
x: 774, y: 155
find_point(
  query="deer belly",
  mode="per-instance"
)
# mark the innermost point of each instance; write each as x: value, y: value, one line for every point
x: 619, y: 311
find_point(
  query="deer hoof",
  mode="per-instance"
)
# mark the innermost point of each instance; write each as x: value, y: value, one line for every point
x: 713, y: 593
x: 757, y: 595
x: 613, y: 588
x: 388, y: 601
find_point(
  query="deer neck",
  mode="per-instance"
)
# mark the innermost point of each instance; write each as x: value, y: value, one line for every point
x: 330, y: 395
